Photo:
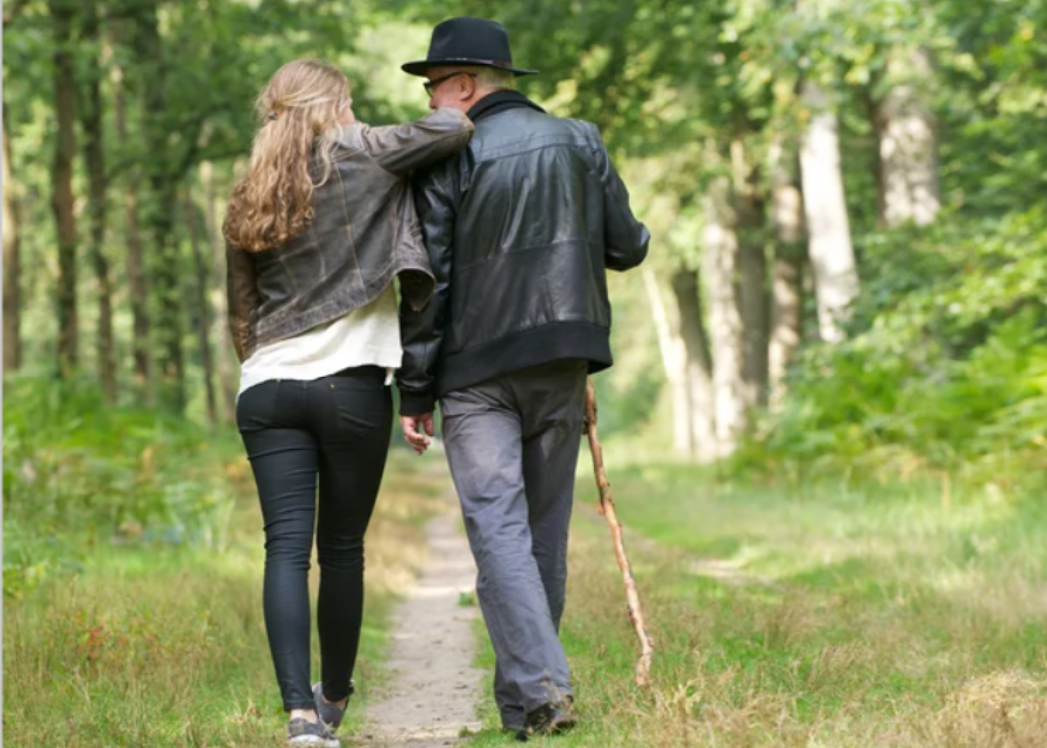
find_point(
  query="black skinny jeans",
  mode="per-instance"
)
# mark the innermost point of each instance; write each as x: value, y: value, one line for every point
x: 334, y: 430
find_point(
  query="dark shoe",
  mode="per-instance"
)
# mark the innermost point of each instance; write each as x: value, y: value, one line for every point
x: 330, y: 714
x: 549, y: 719
x: 515, y: 730
x: 302, y: 732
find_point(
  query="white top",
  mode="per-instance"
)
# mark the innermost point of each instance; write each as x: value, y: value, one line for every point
x: 368, y: 336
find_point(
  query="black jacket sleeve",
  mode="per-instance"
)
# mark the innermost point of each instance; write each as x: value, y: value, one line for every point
x: 625, y: 237
x: 422, y: 331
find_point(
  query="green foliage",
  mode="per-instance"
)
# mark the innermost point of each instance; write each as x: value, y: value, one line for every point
x: 944, y: 359
x: 78, y: 475
x: 946, y: 363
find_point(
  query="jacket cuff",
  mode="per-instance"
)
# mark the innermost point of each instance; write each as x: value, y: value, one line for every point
x: 416, y: 403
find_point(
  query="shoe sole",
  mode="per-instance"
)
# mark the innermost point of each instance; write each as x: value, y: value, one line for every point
x: 313, y: 740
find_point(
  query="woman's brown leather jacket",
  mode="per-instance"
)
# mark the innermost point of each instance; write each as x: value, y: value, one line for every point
x: 364, y: 232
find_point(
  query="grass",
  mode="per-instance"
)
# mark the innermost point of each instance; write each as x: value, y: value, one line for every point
x: 152, y: 644
x: 831, y: 616
x: 816, y: 615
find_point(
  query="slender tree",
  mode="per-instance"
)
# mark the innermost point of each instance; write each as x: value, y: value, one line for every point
x: 697, y: 367
x: 12, y: 262
x: 224, y: 364
x: 829, y: 232
x: 151, y: 61
x: 752, y: 272
x: 671, y: 347
x: 136, y: 278
x: 726, y: 331
x: 94, y: 159
x: 787, y: 282
x: 201, y: 306
x: 62, y: 199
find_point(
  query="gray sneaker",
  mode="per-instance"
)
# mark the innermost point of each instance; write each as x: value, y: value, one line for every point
x: 330, y: 715
x: 302, y: 732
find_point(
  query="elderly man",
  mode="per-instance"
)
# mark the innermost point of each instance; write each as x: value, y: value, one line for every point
x: 520, y: 229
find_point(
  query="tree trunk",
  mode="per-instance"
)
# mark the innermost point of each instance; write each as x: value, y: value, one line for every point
x: 12, y: 262
x: 228, y: 374
x: 726, y: 333
x: 202, y: 308
x: 94, y: 158
x: 136, y: 278
x: 671, y: 346
x: 168, y: 292
x: 62, y: 199
x: 787, y: 288
x: 829, y: 243
x: 752, y: 274
x: 907, y: 145
x: 163, y: 200
x: 698, y: 367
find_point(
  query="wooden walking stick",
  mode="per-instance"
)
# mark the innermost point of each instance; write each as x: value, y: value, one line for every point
x: 606, y: 507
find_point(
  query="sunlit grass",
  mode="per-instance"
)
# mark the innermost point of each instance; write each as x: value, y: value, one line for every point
x: 828, y: 616
x: 154, y: 645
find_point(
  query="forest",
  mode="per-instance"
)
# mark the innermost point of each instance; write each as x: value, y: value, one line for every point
x: 846, y: 292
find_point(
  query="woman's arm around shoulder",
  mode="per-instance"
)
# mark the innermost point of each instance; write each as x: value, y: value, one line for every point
x: 401, y: 149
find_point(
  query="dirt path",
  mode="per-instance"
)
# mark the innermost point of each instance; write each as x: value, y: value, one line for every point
x: 431, y: 697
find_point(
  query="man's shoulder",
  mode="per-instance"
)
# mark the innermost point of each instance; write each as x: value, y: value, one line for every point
x: 528, y: 129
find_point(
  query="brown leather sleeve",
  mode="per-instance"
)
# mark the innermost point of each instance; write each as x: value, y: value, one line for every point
x: 401, y: 149
x: 243, y: 297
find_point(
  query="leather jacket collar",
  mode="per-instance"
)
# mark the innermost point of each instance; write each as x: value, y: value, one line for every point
x: 499, y: 101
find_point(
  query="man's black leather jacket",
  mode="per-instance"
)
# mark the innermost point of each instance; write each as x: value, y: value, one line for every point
x: 520, y: 228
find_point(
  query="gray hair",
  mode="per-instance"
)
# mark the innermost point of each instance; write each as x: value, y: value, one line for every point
x: 495, y: 78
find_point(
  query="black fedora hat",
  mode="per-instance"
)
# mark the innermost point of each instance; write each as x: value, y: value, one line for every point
x: 467, y: 41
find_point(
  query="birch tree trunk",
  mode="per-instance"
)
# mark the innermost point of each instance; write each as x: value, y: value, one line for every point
x: 908, y: 156
x: 671, y: 347
x: 62, y: 198
x: 829, y: 233
x: 12, y: 262
x: 698, y: 367
x: 787, y: 283
x: 719, y: 268
x: 94, y: 159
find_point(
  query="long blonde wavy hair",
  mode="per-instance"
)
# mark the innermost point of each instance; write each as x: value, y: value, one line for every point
x: 301, y: 108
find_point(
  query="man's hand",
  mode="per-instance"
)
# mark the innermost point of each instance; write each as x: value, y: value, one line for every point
x: 418, y: 430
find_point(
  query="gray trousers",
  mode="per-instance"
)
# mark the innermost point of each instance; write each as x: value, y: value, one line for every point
x: 512, y: 443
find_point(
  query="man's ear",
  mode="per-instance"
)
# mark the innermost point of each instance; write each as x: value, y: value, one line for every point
x: 466, y: 87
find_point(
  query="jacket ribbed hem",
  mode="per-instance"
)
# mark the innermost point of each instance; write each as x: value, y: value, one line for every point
x: 541, y: 345
x: 417, y: 403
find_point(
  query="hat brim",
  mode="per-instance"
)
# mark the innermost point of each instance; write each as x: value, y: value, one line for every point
x: 418, y: 67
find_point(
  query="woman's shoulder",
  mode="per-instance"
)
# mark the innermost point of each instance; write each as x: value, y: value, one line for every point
x: 350, y: 139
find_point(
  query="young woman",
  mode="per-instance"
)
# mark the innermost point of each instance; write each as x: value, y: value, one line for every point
x: 317, y: 230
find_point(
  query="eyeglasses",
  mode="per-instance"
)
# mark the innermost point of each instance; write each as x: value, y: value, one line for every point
x: 430, y: 86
